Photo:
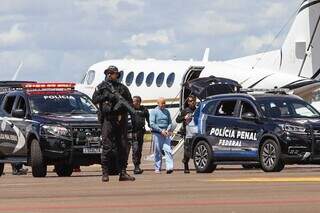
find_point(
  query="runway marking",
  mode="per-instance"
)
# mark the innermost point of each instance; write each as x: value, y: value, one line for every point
x: 163, y: 205
x: 268, y: 179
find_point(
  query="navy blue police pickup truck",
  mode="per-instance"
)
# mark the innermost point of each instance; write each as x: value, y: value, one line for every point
x: 269, y: 129
x: 47, y: 124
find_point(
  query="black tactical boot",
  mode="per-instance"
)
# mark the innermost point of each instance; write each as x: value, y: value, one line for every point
x: 124, y: 176
x: 186, y: 168
x: 137, y: 170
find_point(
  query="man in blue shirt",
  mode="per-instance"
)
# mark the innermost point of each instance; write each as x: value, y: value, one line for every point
x: 161, y: 125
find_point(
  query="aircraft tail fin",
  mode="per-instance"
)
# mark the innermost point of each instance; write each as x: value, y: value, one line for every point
x: 300, y: 52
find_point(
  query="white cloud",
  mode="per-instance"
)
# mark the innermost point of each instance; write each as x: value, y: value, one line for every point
x: 275, y: 10
x: 212, y: 24
x: 12, y: 37
x: 121, y: 11
x: 254, y: 44
x: 144, y: 39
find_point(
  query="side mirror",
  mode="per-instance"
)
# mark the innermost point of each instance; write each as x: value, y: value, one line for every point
x: 249, y: 116
x: 18, y: 113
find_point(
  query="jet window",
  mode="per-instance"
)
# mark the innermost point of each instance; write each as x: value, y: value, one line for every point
x: 9, y: 104
x: 120, y: 78
x: 129, y: 78
x: 139, y: 78
x: 226, y: 108
x: 159, y: 80
x: 149, y: 79
x: 170, y: 79
x: 90, y: 76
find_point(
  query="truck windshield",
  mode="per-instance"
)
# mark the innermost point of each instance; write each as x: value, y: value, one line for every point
x: 58, y: 102
x: 287, y: 108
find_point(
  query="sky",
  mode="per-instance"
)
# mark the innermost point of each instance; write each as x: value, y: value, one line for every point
x: 58, y: 40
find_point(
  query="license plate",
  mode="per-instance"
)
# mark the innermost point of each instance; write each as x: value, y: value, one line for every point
x: 92, y: 150
x: 93, y: 139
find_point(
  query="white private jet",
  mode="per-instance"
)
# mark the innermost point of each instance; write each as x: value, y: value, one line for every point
x: 295, y: 66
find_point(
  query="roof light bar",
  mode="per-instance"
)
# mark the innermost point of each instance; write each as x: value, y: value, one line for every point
x: 50, y: 86
x: 275, y: 91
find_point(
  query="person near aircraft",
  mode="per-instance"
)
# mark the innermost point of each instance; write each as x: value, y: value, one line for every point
x: 114, y: 119
x: 184, y: 117
x: 161, y: 126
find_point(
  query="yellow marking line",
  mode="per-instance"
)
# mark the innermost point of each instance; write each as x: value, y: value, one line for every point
x: 271, y: 179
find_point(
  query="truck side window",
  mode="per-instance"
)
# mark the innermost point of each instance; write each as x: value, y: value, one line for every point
x: 21, y: 105
x: 1, y: 97
x: 226, y: 108
x: 247, y: 108
x: 8, y: 105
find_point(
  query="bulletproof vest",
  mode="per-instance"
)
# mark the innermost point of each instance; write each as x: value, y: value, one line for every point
x: 140, y: 118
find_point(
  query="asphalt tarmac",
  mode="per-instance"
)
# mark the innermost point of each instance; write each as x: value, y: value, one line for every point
x: 228, y: 189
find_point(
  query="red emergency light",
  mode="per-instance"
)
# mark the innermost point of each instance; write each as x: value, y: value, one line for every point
x: 35, y: 86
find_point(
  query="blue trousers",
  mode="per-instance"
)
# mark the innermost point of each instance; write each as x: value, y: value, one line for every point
x: 162, y: 143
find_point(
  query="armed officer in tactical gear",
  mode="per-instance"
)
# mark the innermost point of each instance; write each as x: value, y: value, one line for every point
x: 138, y: 131
x: 185, y: 117
x: 114, y: 101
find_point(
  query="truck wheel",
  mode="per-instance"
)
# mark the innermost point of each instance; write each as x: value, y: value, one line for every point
x: 1, y: 168
x: 63, y: 170
x: 202, y: 158
x: 270, y: 157
x: 39, y: 167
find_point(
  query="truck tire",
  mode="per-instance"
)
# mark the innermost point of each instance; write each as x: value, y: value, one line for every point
x: 39, y: 167
x: 63, y: 170
x: 270, y: 156
x: 1, y: 168
x: 202, y: 158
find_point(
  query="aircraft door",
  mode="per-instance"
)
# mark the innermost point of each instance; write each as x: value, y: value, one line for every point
x: 193, y: 72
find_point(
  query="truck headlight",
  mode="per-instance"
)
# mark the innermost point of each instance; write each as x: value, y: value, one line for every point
x: 293, y: 128
x: 55, y: 130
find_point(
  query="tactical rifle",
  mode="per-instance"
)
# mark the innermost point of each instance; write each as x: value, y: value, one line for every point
x: 120, y: 100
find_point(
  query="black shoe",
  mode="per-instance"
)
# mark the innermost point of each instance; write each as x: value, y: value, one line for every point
x: 137, y: 170
x: 105, y: 178
x: 124, y: 176
x: 186, y: 169
x: 169, y: 171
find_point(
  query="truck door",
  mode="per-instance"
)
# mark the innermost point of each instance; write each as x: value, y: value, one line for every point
x: 21, y: 125
x: 221, y: 128
x: 249, y: 130
x: 8, y: 137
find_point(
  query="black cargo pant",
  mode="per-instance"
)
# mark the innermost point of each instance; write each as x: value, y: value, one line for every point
x: 114, y: 140
x: 186, y: 150
x: 137, y: 145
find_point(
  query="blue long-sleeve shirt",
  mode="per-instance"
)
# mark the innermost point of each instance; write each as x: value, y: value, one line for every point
x: 160, y: 120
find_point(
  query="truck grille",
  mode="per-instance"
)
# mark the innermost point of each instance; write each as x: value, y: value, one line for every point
x: 90, y: 136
